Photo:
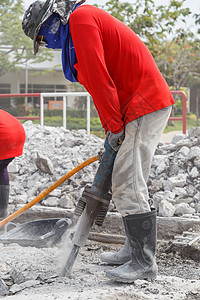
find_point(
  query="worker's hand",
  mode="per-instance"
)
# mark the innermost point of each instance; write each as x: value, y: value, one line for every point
x: 115, y: 139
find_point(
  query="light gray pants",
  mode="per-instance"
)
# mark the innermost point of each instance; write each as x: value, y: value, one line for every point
x: 133, y: 162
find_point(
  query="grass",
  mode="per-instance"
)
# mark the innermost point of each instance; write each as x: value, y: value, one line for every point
x: 178, y: 125
x: 96, y: 128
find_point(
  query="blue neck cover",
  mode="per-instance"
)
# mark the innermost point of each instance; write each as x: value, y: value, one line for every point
x: 57, y: 36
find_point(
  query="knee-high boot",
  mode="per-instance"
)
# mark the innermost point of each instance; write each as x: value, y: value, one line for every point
x: 117, y: 258
x: 141, y: 232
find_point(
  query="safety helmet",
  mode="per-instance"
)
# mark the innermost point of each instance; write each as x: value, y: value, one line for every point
x: 39, y: 11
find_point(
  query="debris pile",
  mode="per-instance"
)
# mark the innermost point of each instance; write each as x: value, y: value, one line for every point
x: 51, y: 152
x: 174, y: 182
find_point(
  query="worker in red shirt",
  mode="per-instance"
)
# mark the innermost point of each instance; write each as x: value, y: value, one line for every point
x: 12, y: 139
x: 133, y: 102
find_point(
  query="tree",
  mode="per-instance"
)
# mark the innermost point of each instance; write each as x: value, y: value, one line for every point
x: 152, y: 23
x: 15, y: 47
x: 179, y: 60
x: 197, y: 21
x: 175, y: 51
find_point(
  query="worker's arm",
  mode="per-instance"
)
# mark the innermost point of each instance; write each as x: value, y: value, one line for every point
x: 93, y: 74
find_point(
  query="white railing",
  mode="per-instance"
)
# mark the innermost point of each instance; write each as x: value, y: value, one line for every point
x: 65, y: 95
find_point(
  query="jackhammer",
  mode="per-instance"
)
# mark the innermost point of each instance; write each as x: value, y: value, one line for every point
x: 93, y: 205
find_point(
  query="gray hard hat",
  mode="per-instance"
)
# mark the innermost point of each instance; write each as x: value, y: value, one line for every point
x: 39, y: 11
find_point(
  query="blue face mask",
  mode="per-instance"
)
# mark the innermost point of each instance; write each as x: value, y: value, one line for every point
x: 57, y: 36
x: 50, y: 31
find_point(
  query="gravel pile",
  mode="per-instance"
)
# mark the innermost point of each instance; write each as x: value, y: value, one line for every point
x: 174, y: 182
x: 51, y: 152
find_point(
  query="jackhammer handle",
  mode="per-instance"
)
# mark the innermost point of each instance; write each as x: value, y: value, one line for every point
x: 48, y: 190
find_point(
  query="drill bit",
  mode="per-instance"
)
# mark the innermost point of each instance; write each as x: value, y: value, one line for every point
x: 70, y: 261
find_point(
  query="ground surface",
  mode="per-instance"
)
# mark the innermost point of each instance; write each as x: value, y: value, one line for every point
x: 33, y: 273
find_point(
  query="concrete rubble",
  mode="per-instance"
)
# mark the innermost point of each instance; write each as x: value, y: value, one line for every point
x: 174, y: 186
x: 50, y: 152
x: 29, y: 273
x: 174, y: 181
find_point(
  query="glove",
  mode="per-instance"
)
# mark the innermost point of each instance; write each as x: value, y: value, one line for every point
x: 115, y: 139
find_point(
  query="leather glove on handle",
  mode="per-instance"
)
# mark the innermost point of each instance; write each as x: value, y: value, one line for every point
x: 115, y: 139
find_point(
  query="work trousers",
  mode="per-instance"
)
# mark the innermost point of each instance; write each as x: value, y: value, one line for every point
x: 4, y: 177
x: 133, y: 162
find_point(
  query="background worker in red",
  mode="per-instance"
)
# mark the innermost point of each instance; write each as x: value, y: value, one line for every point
x: 12, y: 139
x: 133, y: 102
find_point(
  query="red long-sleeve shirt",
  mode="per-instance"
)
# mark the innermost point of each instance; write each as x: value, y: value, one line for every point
x: 116, y: 68
x: 12, y: 136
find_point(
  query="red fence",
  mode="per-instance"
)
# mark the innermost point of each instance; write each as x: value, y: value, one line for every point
x: 184, y: 108
x: 183, y: 118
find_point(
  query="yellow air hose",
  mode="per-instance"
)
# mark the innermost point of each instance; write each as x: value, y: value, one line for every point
x: 48, y: 190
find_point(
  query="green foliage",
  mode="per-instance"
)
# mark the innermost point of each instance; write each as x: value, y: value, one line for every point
x: 16, y: 48
x: 178, y: 98
x: 192, y: 117
x: 179, y: 60
x: 152, y: 23
x: 96, y: 128
x: 75, y: 119
x: 178, y: 125
x: 197, y: 21
x: 73, y: 123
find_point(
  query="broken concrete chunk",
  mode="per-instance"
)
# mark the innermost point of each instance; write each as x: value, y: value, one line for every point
x: 194, y: 153
x: 55, y: 193
x: 184, y: 150
x: 169, y: 147
x: 194, y: 132
x: 3, y: 288
x: 17, y: 276
x: 184, y: 200
x: 44, y: 164
x: 27, y: 284
x: 66, y: 202
x: 159, y: 160
x: 194, y: 172
x: 174, y: 169
x: 191, y: 190
x: 197, y: 197
x: 166, y: 209
x: 197, y: 162
x: 51, y: 201
x: 180, y: 192
x: 13, y: 167
x: 178, y: 181
x: 156, y: 185
x: 68, y: 143
x: 197, y: 207
x: 182, y: 143
x: 177, y: 138
x: 183, y: 208
x: 31, y: 192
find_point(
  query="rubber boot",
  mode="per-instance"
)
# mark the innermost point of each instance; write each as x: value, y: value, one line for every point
x: 117, y: 258
x: 141, y: 233
x: 4, y: 197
